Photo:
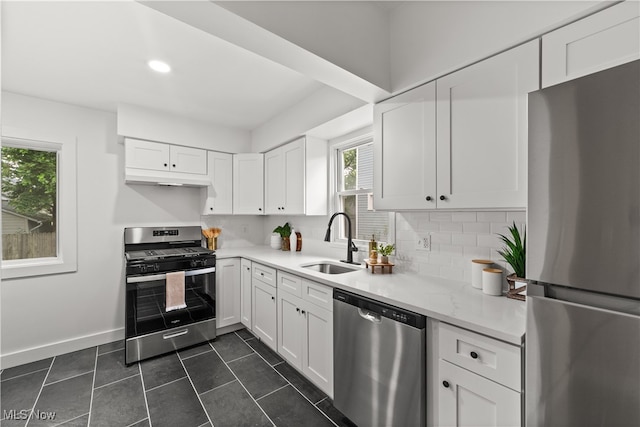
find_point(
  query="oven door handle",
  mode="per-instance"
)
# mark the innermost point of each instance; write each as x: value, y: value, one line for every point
x: 162, y: 276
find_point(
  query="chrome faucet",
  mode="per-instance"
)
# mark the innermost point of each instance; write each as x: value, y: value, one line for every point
x: 351, y: 247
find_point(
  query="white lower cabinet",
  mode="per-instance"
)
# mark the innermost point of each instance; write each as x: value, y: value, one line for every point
x: 305, y: 330
x: 227, y: 292
x: 479, y: 380
x: 245, y: 293
x: 468, y: 399
x: 263, y: 305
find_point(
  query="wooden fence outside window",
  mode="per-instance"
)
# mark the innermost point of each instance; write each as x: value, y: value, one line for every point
x: 24, y: 245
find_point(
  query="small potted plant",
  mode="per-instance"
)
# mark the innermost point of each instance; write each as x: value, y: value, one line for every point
x: 284, y: 231
x: 385, y: 251
x: 514, y: 253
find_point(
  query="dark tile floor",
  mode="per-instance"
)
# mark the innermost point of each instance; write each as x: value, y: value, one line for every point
x: 234, y: 380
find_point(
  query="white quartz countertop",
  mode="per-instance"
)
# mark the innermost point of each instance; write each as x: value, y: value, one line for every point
x: 450, y: 301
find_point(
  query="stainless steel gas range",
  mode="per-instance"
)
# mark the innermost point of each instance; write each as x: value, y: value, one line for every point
x: 152, y: 255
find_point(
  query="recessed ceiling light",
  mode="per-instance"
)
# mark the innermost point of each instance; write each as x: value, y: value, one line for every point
x: 159, y: 66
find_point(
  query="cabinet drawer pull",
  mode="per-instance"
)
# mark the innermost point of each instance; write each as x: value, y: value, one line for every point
x: 474, y: 355
x: 297, y: 309
x: 442, y: 197
x: 174, y: 335
x: 428, y: 198
x: 445, y: 384
x: 273, y: 298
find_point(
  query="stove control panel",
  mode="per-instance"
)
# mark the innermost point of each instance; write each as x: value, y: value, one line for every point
x: 160, y: 233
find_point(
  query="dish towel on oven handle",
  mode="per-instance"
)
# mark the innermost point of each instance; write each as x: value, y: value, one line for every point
x: 175, y: 291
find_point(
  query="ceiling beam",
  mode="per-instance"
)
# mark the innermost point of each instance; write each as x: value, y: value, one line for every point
x: 225, y: 25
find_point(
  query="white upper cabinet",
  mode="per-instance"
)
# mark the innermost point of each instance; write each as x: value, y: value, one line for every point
x: 187, y: 160
x: 218, y: 195
x: 405, y: 148
x: 164, y: 157
x: 458, y: 142
x: 248, y: 184
x: 157, y: 163
x: 600, y: 41
x: 146, y: 155
x: 482, y: 131
x: 296, y: 178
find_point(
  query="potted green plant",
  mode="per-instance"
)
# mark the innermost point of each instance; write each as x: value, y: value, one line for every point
x: 514, y: 253
x: 385, y: 251
x: 284, y: 231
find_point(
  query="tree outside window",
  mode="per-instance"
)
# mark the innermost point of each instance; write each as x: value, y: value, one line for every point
x: 29, y: 203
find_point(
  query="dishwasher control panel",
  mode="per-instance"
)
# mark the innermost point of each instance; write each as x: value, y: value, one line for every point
x: 381, y: 309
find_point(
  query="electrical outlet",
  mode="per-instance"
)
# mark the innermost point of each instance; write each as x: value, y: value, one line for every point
x: 423, y: 243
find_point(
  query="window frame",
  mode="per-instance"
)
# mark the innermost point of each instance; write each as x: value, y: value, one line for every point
x: 66, y: 260
x: 336, y: 180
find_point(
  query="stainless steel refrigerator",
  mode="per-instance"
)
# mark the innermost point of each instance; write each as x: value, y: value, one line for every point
x: 583, y: 254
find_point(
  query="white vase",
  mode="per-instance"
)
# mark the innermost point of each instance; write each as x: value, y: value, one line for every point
x: 276, y: 241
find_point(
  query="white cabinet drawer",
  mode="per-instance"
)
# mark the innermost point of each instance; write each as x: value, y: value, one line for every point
x: 264, y: 274
x: 486, y: 356
x: 320, y: 295
x: 289, y: 283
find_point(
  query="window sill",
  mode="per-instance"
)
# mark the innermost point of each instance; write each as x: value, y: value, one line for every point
x: 36, y: 267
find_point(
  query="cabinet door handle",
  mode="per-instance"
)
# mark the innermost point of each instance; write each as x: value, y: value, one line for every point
x: 283, y: 208
x: 445, y: 384
x: 210, y: 209
x: 302, y: 311
x: 273, y: 298
x: 165, y: 165
x: 260, y: 209
x: 174, y: 165
x: 442, y: 197
x: 428, y: 198
x: 297, y: 309
x: 474, y: 355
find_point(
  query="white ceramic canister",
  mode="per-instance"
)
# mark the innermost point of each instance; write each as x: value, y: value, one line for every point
x: 477, y: 265
x: 276, y: 241
x: 492, y: 281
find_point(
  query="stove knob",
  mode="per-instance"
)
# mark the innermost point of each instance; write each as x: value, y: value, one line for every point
x: 142, y: 268
x: 193, y: 263
x: 156, y: 267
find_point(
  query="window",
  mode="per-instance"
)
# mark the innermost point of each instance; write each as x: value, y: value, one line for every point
x: 355, y: 193
x: 38, y: 207
x: 29, y: 198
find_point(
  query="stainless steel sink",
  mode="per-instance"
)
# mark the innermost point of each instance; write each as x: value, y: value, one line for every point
x: 329, y: 268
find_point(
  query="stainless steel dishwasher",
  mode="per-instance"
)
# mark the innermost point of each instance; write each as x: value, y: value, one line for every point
x: 379, y: 362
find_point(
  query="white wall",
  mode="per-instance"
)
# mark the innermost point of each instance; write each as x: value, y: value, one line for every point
x: 429, y: 39
x: 322, y: 106
x: 47, y: 315
x: 143, y: 123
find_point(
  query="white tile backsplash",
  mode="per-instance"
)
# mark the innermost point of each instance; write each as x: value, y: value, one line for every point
x: 456, y: 239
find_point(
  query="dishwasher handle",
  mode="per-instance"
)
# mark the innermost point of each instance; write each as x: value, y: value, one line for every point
x: 369, y: 315
x: 375, y: 310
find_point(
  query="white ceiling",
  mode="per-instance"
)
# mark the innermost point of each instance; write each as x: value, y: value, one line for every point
x: 95, y: 54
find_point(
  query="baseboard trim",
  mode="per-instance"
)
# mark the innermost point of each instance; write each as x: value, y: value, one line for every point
x: 33, y: 354
x: 229, y: 328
